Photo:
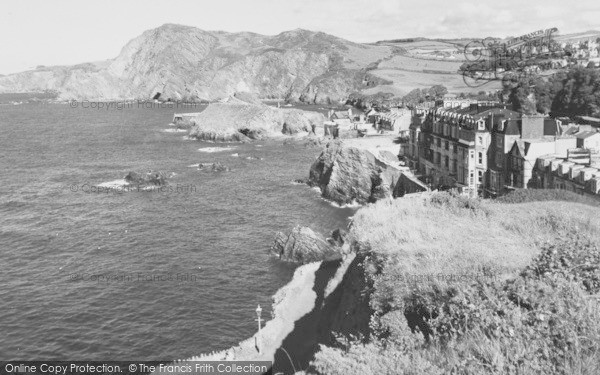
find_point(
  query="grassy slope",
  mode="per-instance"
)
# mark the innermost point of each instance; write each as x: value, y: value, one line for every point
x: 496, y: 315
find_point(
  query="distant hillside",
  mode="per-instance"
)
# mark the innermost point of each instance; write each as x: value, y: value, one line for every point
x: 186, y: 63
x: 182, y: 62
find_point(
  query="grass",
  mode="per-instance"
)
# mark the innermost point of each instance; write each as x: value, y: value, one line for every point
x: 466, y: 286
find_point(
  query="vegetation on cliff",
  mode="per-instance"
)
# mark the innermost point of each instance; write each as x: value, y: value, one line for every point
x: 464, y: 286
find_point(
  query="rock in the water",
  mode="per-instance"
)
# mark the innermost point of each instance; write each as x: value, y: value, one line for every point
x: 148, y: 178
x: 303, y: 245
x: 338, y: 237
x: 238, y: 121
x: 214, y: 167
x: 346, y: 174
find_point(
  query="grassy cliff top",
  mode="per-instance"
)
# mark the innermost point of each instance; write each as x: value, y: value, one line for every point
x: 464, y: 286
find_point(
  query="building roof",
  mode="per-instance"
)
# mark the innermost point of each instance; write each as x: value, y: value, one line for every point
x: 341, y: 114
x: 586, y: 134
x: 534, y: 148
x: 594, y: 120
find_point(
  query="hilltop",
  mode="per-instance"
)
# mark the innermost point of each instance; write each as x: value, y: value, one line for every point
x: 185, y: 63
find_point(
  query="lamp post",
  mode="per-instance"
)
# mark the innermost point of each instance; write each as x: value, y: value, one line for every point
x: 258, y: 312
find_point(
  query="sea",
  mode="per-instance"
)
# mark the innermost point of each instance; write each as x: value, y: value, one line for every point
x: 91, y: 270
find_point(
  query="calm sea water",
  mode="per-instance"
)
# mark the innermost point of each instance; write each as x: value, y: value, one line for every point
x: 138, y: 275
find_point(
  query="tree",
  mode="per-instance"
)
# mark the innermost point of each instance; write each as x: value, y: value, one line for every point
x: 437, y: 91
x: 579, y: 93
x: 414, y: 97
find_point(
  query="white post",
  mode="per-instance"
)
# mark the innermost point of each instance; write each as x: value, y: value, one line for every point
x: 258, y: 312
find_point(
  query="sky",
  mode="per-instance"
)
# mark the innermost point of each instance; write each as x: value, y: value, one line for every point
x: 66, y: 32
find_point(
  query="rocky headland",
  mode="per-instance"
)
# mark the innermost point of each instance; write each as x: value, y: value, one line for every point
x: 183, y: 63
x: 352, y: 171
x: 239, y: 121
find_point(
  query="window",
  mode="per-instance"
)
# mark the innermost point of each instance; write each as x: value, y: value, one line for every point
x: 480, y: 140
x: 447, y: 145
x: 499, y: 142
x: 480, y: 157
x: 471, y: 178
x: 446, y: 161
x: 479, y: 177
x: 439, y: 142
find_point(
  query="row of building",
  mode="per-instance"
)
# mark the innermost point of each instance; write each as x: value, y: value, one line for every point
x: 483, y: 148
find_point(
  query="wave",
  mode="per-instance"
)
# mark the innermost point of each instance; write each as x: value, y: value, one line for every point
x: 352, y: 204
x: 216, y: 149
x: 235, y: 155
x: 114, y: 184
x: 174, y: 131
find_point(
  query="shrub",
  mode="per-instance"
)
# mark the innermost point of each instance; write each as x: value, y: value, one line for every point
x: 534, y: 195
x: 576, y: 259
x: 456, y: 202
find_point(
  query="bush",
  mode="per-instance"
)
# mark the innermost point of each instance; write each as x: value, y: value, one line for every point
x: 576, y: 259
x: 534, y: 195
x: 456, y: 202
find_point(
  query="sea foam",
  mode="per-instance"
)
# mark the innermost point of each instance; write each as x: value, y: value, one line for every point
x: 216, y: 149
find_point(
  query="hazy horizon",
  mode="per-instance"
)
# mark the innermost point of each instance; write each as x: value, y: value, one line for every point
x: 76, y: 33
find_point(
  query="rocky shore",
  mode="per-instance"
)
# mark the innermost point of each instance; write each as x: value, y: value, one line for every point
x: 362, y: 170
x: 326, y: 294
x: 239, y: 121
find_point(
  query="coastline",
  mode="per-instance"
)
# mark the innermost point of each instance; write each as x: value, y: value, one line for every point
x: 298, y: 307
x: 290, y: 303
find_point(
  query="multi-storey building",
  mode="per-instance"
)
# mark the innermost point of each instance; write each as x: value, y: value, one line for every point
x: 574, y: 173
x: 449, y: 147
x: 485, y: 149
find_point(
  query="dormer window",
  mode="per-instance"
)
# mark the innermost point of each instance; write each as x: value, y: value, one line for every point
x: 480, y: 124
x: 502, y: 125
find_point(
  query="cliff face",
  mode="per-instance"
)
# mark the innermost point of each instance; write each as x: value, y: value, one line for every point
x: 347, y: 174
x: 186, y: 63
x: 238, y: 121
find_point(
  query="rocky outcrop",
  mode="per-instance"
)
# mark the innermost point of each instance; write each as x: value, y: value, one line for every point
x: 213, y: 167
x: 149, y: 178
x: 347, y: 174
x: 302, y: 245
x: 237, y: 121
x: 185, y: 63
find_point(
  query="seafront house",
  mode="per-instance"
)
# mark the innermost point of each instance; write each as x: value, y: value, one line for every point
x: 588, y: 139
x: 449, y: 148
x: 397, y: 120
x: 486, y: 149
x: 578, y: 172
x: 524, y: 154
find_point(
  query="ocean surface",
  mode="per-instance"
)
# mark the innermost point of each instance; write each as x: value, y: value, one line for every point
x: 94, y: 273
